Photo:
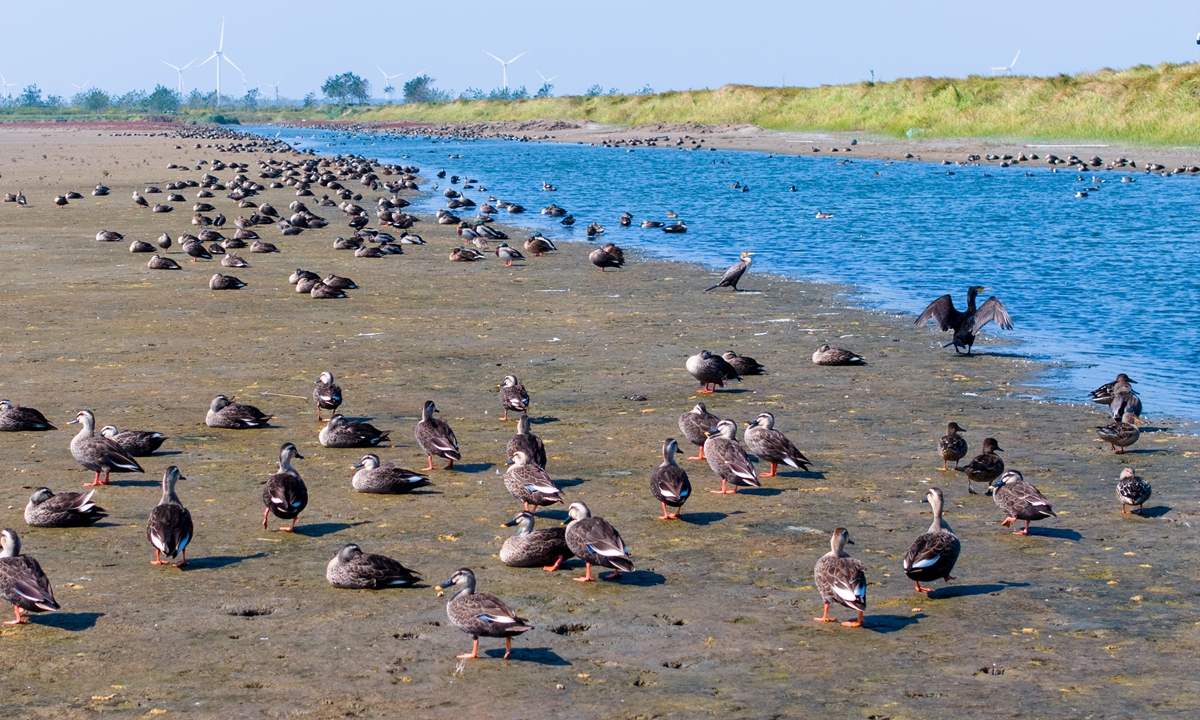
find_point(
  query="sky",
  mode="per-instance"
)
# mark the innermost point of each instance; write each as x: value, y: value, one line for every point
x: 616, y: 44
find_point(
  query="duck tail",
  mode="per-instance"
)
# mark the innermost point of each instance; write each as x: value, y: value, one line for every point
x: 714, y: 287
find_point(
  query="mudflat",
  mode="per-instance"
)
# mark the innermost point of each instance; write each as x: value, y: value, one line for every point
x: 1093, y: 614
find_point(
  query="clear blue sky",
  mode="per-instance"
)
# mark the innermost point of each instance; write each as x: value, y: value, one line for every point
x: 627, y: 45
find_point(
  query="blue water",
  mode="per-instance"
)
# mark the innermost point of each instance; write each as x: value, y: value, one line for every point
x: 1098, y: 285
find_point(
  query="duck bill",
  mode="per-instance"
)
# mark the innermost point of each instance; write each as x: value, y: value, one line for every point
x: 510, y: 523
x: 356, y: 466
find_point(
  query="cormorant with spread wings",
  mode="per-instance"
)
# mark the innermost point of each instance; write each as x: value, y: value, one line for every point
x: 965, y: 324
x: 734, y: 273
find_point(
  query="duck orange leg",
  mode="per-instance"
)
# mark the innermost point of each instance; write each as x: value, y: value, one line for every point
x: 19, y: 621
x: 182, y: 562
x: 666, y: 513
x: 505, y: 417
x: 587, y: 575
x: 700, y: 456
x: 552, y: 568
x: 612, y: 576
x: 292, y: 527
x: 723, y: 491
x: 319, y: 419
x: 507, y: 647
x: 266, y: 512
x: 774, y: 471
x: 157, y: 558
x: 922, y: 589
x: 825, y: 616
x: 471, y: 655
x: 855, y: 623
x: 430, y: 465
x: 94, y: 482
x: 944, y: 468
x: 1022, y: 531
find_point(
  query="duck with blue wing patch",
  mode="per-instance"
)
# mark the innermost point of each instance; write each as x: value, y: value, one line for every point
x: 841, y: 579
x: 480, y: 614
x: 595, y: 541
x: 169, y: 528
x: 1132, y: 490
x: 529, y: 483
x: 285, y: 493
x: 933, y: 554
x: 669, y: 483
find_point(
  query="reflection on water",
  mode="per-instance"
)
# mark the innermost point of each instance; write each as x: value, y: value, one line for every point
x: 1103, y: 284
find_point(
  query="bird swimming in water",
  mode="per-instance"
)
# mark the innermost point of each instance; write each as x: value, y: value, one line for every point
x: 966, y: 325
x: 734, y: 273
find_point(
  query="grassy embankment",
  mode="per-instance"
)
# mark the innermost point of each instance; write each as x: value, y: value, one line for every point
x: 1154, y: 105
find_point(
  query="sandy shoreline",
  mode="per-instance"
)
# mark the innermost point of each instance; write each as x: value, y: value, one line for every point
x: 1078, y: 617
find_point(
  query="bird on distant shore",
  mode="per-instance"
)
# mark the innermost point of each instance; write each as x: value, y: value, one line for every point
x: 966, y: 325
x: 605, y: 257
x: 1020, y: 501
x: 952, y: 446
x: 933, y: 554
x: 743, y: 364
x: 139, y: 200
x: 841, y: 579
x: 734, y: 273
x: 1120, y: 434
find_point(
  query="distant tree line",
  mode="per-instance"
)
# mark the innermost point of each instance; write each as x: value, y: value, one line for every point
x: 343, y: 89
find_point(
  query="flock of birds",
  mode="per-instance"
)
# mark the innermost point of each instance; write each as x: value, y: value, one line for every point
x: 840, y: 578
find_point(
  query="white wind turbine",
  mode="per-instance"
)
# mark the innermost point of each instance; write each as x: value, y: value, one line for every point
x: 387, y: 83
x: 80, y: 87
x: 1007, y: 70
x: 545, y: 80
x: 275, y: 87
x: 219, y: 55
x: 504, y: 65
x: 179, y: 71
x: 4, y: 83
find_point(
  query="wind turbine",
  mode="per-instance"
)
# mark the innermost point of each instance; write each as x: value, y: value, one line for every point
x: 180, y: 70
x: 504, y: 65
x: 545, y: 80
x: 387, y: 83
x: 219, y: 55
x: 275, y: 87
x: 5, y: 83
x: 1007, y: 70
x: 80, y: 87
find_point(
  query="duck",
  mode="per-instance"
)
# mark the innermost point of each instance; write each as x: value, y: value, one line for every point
x: 952, y: 446
x: 841, y: 579
x: 735, y: 272
x: 1120, y: 396
x: 343, y: 433
x: 225, y: 413
x: 544, y: 547
x: 540, y: 245
x: 285, y: 493
x: 528, y: 443
x: 711, y: 370
x: 64, y: 510
x: 342, y: 243
x: 341, y: 283
x: 60, y: 200
x: 109, y: 236
x: 743, y: 364
x: 305, y: 285
x: 625, y: 220
x: 595, y: 541
x: 513, y: 396
x: 99, y: 454
x: 773, y: 446
x: 321, y: 291
x: 169, y: 528
x: 161, y: 263
x: 695, y: 424
x: 258, y: 246
x: 669, y: 483
x: 986, y: 466
x: 164, y: 241
x: 301, y: 274
x: 480, y: 614
x: 826, y: 355
x: 602, y: 258
x: 1131, y: 490
x: 677, y: 228
x: 966, y: 325
x: 14, y: 418
x: 933, y: 554
x: 652, y: 224
x: 435, y: 437
x: 353, y: 569
x: 197, y: 251
x: 326, y: 393
x: 140, y: 246
x: 232, y: 260
x: 823, y: 215
x: 138, y: 443
x: 139, y: 200
x: 462, y: 254
x: 728, y: 460
x: 508, y: 254
x: 529, y: 483
x: 1120, y: 434
x: 22, y: 581
x: 385, y: 479
x: 1020, y: 501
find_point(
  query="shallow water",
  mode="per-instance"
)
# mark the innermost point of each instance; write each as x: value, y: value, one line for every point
x: 1097, y: 285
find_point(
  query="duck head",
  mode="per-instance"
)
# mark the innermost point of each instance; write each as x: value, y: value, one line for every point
x: 369, y: 461
x: 463, y: 579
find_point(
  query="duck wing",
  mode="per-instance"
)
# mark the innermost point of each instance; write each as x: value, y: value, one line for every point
x: 25, y: 585
x: 595, y: 537
x: 842, y: 580
x: 670, y: 484
x: 29, y: 419
x: 1023, y: 501
x: 515, y: 397
x: 992, y: 311
x: 932, y: 555
x: 774, y: 446
x: 286, y: 495
x: 169, y: 528
x: 485, y: 614
x: 327, y: 395
x: 729, y: 460
x: 943, y: 312
x: 74, y: 508
x: 380, y: 571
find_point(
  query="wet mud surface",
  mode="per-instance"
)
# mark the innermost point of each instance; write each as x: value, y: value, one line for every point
x: 1092, y: 615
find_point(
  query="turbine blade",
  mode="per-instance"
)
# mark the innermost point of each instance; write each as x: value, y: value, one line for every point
x: 185, y: 67
x: 235, y: 67
x: 485, y: 52
x: 221, y: 45
x: 164, y: 62
x: 516, y: 58
x: 1014, y: 62
x: 210, y: 57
